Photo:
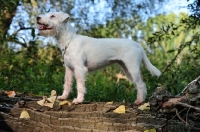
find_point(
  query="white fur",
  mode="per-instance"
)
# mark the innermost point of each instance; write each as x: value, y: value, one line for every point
x: 82, y: 54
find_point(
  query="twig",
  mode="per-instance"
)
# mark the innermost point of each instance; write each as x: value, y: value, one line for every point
x: 15, y: 41
x: 187, y: 115
x: 172, y: 61
x: 187, y: 124
x: 173, y: 118
x: 177, y: 113
x: 22, y: 28
x: 188, y: 106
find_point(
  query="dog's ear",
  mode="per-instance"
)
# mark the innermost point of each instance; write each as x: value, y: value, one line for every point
x: 63, y: 17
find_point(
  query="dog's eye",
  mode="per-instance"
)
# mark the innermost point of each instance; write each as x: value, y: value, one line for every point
x: 52, y: 16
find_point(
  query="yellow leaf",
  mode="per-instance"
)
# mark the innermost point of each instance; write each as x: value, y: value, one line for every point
x: 49, y: 102
x: 121, y: 76
x: 44, y: 101
x: 65, y: 102
x: 109, y: 103
x: 145, y: 106
x: 41, y: 102
x: 120, y: 109
x: 53, y: 93
x: 151, y: 130
x: 50, y: 105
x: 51, y: 99
x: 10, y: 93
x: 24, y: 114
x: 10, y: 67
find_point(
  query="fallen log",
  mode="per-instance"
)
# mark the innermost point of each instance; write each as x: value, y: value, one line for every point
x: 88, y: 117
x: 167, y: 113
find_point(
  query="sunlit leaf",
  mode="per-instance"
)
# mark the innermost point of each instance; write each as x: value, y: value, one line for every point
x: 145, y: 106
x: 24, y: 114
x: 50, y: 105
x: 10, y: 67
x: 151, y: 130
x: 41, y: 102
x: 53, y: 93
x: 109, y: 103
x: 10, y: 93
x: 120, y: 109
x: 49, y: 102
x: 51, y: 99
x: 65, y: 102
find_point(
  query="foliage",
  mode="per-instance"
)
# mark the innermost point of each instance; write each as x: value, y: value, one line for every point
x: 32, y: 69
x: 195, y: 8
x: 184, y: 52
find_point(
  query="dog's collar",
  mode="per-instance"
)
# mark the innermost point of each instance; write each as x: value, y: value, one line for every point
x: 69, y: 43
x: 64, y: 50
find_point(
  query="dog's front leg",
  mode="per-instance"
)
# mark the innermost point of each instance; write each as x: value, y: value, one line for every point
x: 68, y: 83
x: 80, y: 79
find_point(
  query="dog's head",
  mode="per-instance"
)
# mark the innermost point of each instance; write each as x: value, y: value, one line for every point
x: 49, y: 23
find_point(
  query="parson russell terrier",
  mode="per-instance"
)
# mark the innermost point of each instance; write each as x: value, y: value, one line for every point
x: 82, y: 54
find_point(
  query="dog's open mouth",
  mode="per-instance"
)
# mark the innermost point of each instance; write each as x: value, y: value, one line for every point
x: 42, y: 26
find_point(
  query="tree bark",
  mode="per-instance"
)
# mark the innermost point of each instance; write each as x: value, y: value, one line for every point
x: 167, y: 114
x: 85, y: 118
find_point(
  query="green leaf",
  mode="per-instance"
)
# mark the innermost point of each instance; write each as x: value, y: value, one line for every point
x: 170, y: 51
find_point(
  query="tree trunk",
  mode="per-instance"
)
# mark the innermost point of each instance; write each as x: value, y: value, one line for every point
x: 7, y: 13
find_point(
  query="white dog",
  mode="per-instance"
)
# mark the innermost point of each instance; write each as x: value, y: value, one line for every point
x: 82, y: 54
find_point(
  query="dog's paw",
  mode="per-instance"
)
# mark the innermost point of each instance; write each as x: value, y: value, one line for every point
x: 77, y: 101
x: 61, y: 97
x: 138, y: 102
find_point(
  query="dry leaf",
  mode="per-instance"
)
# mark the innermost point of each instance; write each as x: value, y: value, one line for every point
x: 65, y: 102
x: 53, y: 93
x: 109, y: 103
x: 50, y: 105
x: 41, y: 102
x: 10, y: 93
x: 49, y: 102
x: 120, y: 109
x: 121, y: 76
x: 51, y: 99
x: 24, y: 114
x: 44, y: 102
x: 145, y: 106
x: 151, y: 130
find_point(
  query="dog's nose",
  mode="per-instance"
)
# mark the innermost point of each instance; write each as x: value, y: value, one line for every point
x: 38, y: 18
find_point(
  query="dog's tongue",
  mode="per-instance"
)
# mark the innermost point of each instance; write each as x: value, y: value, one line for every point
x: 41, y: 27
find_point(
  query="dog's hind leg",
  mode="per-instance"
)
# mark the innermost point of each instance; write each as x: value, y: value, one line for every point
x: 68, y: 83
x: 132, y: 72
x: 126, y: 72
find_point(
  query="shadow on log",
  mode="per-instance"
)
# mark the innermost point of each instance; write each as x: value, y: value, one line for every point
x: 167, y: 114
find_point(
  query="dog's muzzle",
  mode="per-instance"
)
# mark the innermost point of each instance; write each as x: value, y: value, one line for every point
x: 42, y: 26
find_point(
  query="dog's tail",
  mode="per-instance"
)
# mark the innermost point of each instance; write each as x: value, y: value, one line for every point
x: 153, y: 70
